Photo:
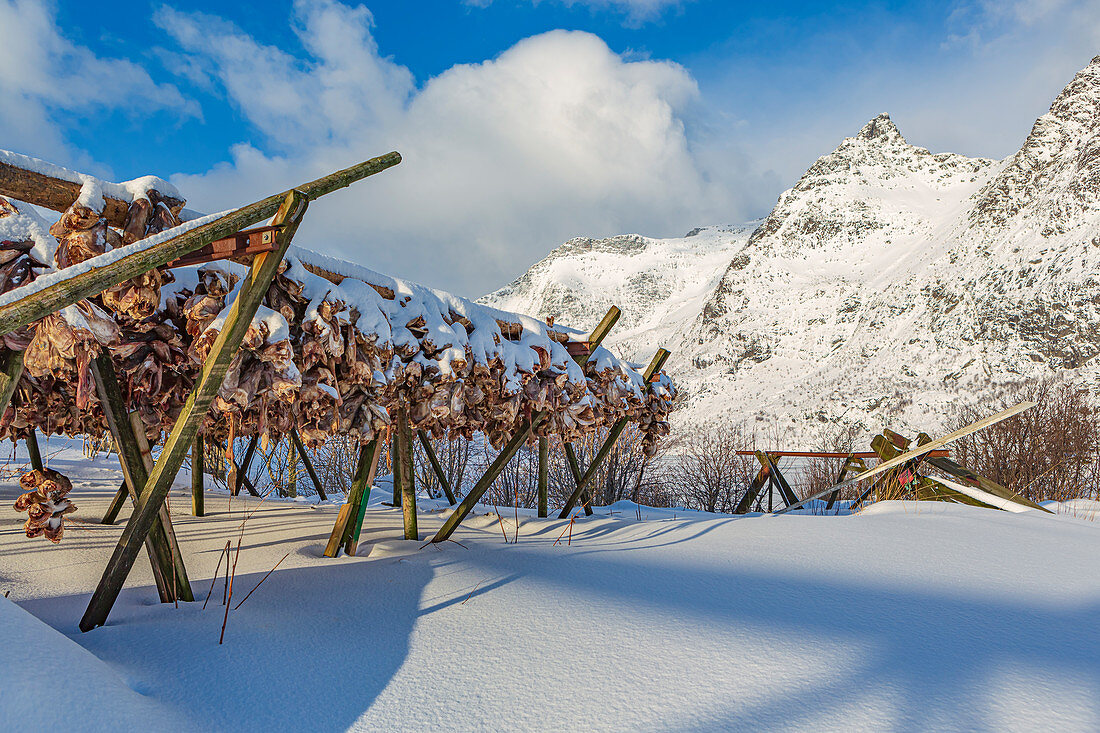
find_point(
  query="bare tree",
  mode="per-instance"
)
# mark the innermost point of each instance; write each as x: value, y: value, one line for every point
x: 704, y: 470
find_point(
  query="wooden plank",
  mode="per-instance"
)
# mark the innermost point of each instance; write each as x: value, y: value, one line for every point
x: 9, y: 378
x: 408, y: 476
x: 491, y: 473
x: 242, y: 470
x: 919, y: 451
x: 369, y: 455
x: 437, y: 467
x: 599, y: 333
x: 237, y: 469
x: 25, y: 184
x: 243, y: 243
x: 752, y: 491
x: 578, y: 477
x: 827, y: 454
x: 308, y: 463
x: 115, y: 506
x: 17, y: 311
x: 776, y: 478
x: 214, y: 367
x: 544, y: 476
x: 654, y: 367
x: 134, y: 472
x: 198, y: 498
x: 333, y: 546
x: 852, y: 462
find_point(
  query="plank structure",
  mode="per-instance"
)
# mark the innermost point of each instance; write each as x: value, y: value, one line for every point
x: 349, y: 521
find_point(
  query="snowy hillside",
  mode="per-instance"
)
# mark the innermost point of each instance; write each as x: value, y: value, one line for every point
x: 888, y: 284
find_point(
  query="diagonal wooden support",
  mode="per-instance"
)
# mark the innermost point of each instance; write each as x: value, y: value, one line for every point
x: 115, y: 506
x: 491, y: 473
x: 850, y: 463
x: 9, y: 378
x: 436, y: 466
x: 247, y: 482
x: 309, y: 464
x: 544, y: 476
x: 168, y: 570
x: 776, y: 478
x: 31, y: 438
x: 151, y: 500
x: 18, y: 308
x: 355, y: 519
x: 198, y: 498
x: 654, y: 367
x: 242, y: 470
x: 752, y: 491
x: 578, y: 477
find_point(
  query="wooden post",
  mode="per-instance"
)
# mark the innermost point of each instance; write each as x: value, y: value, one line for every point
x: 151, y: 500
x: 242, y: 470
x: 544, y: 475
x: 18, y: 309
x: 408, y: 477
x: 32, y: 449
x: 850, y: 463
x: 436, y: 466
x: 355, y: 520
x: 655, y: 365
x: 470, y: 500
x: 9, y: 378
x: 752, y: 491
x: 578, y: 477
x: 169, y: 574
x: 397, y: 468
x: 243, y: 475
x: 116, y: 504
x: 308, y: 463
x: 776, y: 478
x: 292, y: 470
x: 198, y: 499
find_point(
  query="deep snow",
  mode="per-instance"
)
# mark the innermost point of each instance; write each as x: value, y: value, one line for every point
x: 903, y: 617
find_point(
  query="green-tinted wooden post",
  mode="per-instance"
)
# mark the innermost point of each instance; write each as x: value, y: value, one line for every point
x: 32, y: 449
x: 12, y: 370
x: 308, y: 464
x: 369, y: 459
x: 167, y: 564
x: 544, y: 475
x: 151, y: 500
x: 503, y: 457
x: 198, y: 499
x: 436, y: 465
x: 116, y: 505
x: 655, y: 365
x: 578, y: 477
x: 408, y: 478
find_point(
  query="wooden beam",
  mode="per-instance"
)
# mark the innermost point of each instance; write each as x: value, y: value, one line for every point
x: 309, y: 464
x: 544, y: 475
x: 827, y: 454
x: 426, y: 443
x: 171, y: 584
x: 752, y: 491
x: 25, y: 184
x: 31, y: 438
x: 599, y: 333
x: 116, y: 504
x: 198, y: 498
x: 776, y: 477
x: 225, y: 347
x: 242, y: 470
x: 247, y: 481
x: 578, y: 477
x: 852, y: 462
x: 355, y: 522
x: 408, y: 476
x: 18, y: 310
x: 491, y: 473
x: 654, y: 367
x: 12, y: 367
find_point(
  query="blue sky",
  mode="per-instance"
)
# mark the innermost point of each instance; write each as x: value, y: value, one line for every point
x: 523, y: 123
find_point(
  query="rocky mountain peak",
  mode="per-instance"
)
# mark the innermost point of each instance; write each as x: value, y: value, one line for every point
x: 881, y: 128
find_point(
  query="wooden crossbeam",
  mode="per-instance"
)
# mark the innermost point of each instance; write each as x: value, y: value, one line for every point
x: 308, y: 464
x: 242, y: 475
x: 544, y: 476
x: 437, y: 467
x: 242, y: 244
x: 168, y: 570
x: 827, y: 454
x: 17, y: 310
x: 777, y: 480
x: 198, y: 498
x: 242, y: 470
x: 151, y: 499
x: 613, y: 434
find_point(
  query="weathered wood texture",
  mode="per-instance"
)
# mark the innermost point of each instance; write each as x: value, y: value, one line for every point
x: 9, y: 378
x: 437, y: 467
x: 544, y: 476
x: 31, y: 439
x: 151, y: 500
x: 752, y: 491
x: 241, y: 478
x: 52, y: 298
x: 578, y: 476
x: 308, y: 464
x: 198, y: 498
x: 115, y: 506
x: 368, y: 459
x: 58, y: 194
x: 408, y: 476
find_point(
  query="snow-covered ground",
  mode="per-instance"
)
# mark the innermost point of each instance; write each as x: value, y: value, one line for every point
x: 903, y: 617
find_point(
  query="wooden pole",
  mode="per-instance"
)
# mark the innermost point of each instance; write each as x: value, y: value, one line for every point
x: 225, y: 347
x: 544, y: 475
x: 292, y: 470
x: 655, y: 365
x: 308, y: 463
x: 198, y: 499
x: 242, y: 470
x: 470, y: 500
x: 578, y: 477
x: 31, y: 438
x: 436, y: 465
x: 18, y: 309
x: 752, y: 491
x: 157, y: 542
x: 355, y: 521
x: 408, y: 477
x: 243, y: 474
x: 396, y: 467
x: 12, y: 367
x: 116, y: 504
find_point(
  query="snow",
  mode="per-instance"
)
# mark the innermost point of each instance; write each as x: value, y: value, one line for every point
x: 905, y: 616
x: 92, y: 188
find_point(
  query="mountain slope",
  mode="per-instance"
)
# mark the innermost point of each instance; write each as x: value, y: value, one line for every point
x: 891, y: 283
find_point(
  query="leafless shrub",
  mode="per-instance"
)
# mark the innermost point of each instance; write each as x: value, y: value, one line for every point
x: 704, y: 471
x: 1047, y: 452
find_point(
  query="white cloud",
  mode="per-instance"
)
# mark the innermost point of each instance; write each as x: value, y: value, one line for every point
x: 557, y: 136
x: 637, y: 11
x: 44, y: 76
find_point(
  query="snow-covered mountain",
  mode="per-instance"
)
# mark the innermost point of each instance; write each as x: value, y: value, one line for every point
x: 888, y: 284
